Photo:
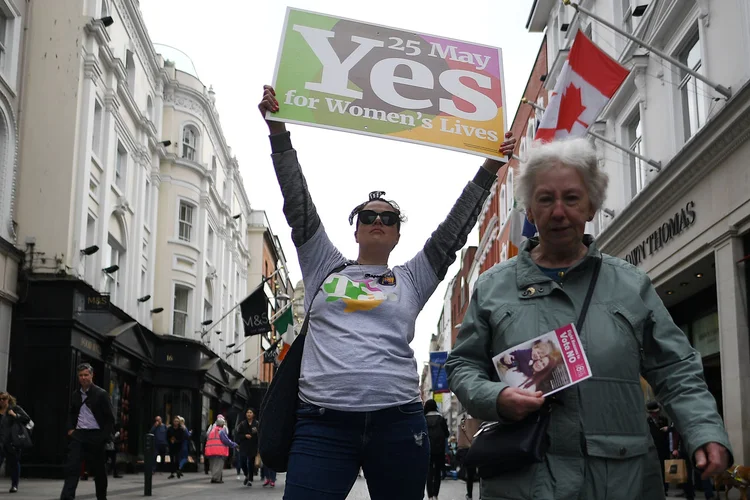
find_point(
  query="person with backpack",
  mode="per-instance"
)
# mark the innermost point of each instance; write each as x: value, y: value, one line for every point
x: 437, y: 430
x: 12, y: 420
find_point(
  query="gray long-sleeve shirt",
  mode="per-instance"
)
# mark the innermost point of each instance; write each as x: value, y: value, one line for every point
x: 357, y: 355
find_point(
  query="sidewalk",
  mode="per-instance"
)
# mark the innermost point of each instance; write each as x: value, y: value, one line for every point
x: 49, y: 489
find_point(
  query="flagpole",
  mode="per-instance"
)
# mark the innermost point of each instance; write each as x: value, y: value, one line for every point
x: 718, y: 88
x: 653, y: 163
x: 262, y: 282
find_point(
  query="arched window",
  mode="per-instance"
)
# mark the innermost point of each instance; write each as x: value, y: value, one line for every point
x: 104, y: 9
x: 189, y: 142
x: 150, y: 108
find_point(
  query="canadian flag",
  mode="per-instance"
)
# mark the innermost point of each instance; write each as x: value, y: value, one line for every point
x: 588, y: 80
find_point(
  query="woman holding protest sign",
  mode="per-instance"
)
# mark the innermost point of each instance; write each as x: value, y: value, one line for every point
x: 599, y: 444
x: 359, y: 400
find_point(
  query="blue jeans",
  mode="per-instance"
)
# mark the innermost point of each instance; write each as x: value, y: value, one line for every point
x: 330, y: 446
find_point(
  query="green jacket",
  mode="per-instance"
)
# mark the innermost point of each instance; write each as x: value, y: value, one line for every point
x: 600, y: 446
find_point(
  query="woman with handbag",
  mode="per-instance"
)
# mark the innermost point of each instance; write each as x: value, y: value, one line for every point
x: 13, y: 433
x: 595, y: 444
x: 176, y: 437
x: 185, y: 451
x: 359, y: 400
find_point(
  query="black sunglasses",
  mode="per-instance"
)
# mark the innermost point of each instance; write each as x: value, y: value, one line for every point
x: 368, y: 217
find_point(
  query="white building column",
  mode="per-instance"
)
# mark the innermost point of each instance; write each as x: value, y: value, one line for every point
x: 200, y: 285
x: 735, y: 344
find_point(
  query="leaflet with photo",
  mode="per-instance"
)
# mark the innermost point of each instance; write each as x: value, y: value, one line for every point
x: 548, y: 363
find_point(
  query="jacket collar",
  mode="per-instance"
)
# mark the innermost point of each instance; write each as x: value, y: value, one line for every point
x: 528, y: 273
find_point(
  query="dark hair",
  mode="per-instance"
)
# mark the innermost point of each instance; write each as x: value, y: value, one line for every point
x: 430, y: 405
x: 378, y: 196
x: 250, y: 408
x: 652, y: 406
x: 84, y: 366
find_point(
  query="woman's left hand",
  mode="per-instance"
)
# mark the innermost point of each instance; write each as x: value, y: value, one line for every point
x: 506, y: 149
x: 12, y: 413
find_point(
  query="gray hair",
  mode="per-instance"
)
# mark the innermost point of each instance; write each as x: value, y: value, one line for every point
x: 576, y: 153
x: 221, y: 422
x: 84, y: 366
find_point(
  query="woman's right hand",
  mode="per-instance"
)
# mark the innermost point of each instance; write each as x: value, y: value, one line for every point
x: 515, y: 404
x: 270, y: 104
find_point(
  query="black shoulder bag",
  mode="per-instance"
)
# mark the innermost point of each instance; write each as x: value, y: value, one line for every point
x: 499, y: 448
x: 278, y: 411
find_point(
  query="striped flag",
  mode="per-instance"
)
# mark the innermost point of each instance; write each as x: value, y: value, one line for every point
x: 284, y: 326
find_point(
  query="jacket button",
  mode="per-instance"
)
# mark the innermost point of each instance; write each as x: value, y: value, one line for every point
x: 623, y: 451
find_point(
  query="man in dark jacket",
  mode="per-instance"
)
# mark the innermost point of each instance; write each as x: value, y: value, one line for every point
x: 657, y: 424
x: 247, y: 437
x: 159, y: 430
x: 437, y: 431
x: 90, y: 424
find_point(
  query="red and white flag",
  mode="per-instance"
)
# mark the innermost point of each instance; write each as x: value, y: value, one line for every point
x: 588, y: 80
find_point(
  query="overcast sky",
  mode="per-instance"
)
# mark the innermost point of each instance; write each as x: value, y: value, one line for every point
x: 234, y: 43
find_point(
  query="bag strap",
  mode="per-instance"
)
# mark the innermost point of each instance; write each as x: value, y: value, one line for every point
x: 589, y: 294
x: 337, y: 269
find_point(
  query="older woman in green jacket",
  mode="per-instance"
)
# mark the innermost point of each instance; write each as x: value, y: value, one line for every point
x: 600, y: 447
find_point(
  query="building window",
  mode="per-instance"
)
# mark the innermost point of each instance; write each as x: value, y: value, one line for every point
x: 150, y: 108
x: 210, y: 244
x: 104, y: 9
x: 144, y: 283
x: 121, y: 166
x: 504, y: 253
x: 463, y: 291
x: 189, y: 142
x: 186, y: 221
x: 130, y: 71
x: 112, y: 280
x: 213, y: 167
x: 96, y: 134
x: 692, y: 91
x: 637, y: 167
x: 181, y: 301
x: 7, y: 40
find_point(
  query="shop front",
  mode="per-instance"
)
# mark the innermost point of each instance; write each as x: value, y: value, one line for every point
x: 689, y: 230
x: 58, y: 325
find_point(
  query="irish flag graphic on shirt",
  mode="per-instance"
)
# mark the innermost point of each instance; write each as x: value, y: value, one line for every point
x: 588, y: 80
x: 357, y: 295
x: 284, y: 326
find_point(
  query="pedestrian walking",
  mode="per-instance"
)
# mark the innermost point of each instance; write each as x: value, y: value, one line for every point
x: 159, y: 430
x: 466, y: 431
x: 359, y: 399
x: 176, y: 436
x: 658, y: 426
x: 247, y: 437
x: 91, y: 421
x: 185, y: 450
x: 599, y: 442
x: 437, y: 430
x: 217, y: 449
x: 13, y: 420
x: 270, y: 476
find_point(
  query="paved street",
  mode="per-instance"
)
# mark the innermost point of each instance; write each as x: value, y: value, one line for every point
x: 196, y: 487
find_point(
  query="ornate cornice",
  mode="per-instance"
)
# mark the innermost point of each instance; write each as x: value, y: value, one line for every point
x: 138, y: 35
x: 726, y: 131
x: 91, y: 68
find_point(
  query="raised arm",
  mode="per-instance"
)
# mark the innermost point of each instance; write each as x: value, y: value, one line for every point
x: 299, y: 209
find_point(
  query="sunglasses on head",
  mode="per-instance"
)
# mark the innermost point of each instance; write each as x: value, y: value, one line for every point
x: 368, y: 217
